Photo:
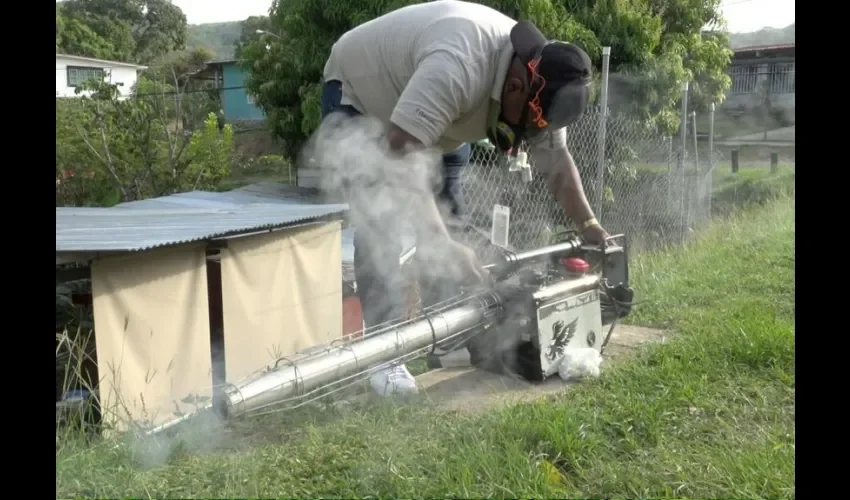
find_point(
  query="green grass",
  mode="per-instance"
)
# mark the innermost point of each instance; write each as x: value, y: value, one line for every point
x: 244, y: 176
x: 750, y: 187
x: 733, y: 191
x: 708, y: 414
x: 257, y: 158
x: 723, y: 169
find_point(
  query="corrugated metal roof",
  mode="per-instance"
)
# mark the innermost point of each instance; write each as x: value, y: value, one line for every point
x: 126, y: 229
x: 263, y: 193
x: 754, y: 48
x: 100, y: 61
x: 281, y: 192
x: 185, y: 217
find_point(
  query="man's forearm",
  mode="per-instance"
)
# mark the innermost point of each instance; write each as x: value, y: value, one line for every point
x: 429, y: 222
x: 565, y: 184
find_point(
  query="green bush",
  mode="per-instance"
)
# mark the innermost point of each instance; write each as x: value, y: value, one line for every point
x: 730, y: 192
x: 743, y: 189
x: 110, y: 150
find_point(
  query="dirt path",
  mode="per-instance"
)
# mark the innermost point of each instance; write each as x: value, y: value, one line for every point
x: 469, y: 389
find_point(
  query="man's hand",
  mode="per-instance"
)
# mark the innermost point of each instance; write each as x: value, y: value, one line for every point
x: 595, y: 235
x: 400, y: 141
x: 465, y: 264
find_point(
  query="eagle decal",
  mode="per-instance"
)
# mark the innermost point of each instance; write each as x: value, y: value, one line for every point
x: 561, y: 336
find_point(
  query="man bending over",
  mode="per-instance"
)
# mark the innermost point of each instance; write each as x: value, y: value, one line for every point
x: 443, y: 74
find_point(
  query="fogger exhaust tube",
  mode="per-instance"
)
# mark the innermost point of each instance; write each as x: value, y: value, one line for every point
x: 520, y: 258
x: 291, y: 380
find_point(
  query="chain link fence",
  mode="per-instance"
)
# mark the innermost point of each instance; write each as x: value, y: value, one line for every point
x: 655, y: 189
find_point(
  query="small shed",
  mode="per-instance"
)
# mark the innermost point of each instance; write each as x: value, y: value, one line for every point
x: 194, y: 289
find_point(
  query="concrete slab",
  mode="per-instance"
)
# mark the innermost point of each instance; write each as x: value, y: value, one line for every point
x: 625, y: 337
x: 468, y: 389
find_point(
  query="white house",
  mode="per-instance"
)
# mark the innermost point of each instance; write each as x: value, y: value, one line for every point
x: 74, y: 70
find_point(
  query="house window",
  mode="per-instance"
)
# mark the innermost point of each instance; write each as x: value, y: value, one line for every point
x: 782, y: 79
x: 744, y: 78
x: 79, y: 75
x: 250, y: 99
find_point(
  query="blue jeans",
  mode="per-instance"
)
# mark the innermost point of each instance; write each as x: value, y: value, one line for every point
x: 380, y: 283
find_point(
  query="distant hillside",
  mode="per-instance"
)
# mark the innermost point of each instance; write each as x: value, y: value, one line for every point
x: 766, y: 36
x: 218, y: 37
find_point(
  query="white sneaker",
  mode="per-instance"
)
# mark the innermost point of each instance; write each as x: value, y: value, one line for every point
x: 394, y: 380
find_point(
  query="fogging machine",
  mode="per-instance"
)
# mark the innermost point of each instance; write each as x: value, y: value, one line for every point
x: 538, y: 304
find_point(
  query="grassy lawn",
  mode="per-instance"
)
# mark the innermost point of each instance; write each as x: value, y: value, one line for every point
x: 748, y: 187
x: 244, y: 176
x: 709, y: 414
x: 723, y: 169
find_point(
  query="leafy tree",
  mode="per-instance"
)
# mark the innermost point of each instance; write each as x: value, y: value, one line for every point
x: 137, y: 30
x: 175, y: 67
x: 75, y: 37
x: 656, y: 45
x: 60, y: 28
x: 110, y: 150
x: 249, y: 32
x: 171, y: 72
x: 212, y: 151
x: 286, y: 68
x: 220, y: 38
x: 701, y: 57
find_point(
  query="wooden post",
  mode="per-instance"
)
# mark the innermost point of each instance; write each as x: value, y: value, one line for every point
x: 774, y: 162
x: 734, y: 161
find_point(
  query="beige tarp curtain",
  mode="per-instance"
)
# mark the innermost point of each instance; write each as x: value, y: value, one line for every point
x: 281, y: 293
x: 153, y: 339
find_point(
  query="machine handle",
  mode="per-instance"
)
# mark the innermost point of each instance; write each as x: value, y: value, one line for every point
x: 513, y: 260
x: 609, y: 239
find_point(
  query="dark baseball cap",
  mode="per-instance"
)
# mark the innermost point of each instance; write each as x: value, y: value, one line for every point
x: 565, y: 67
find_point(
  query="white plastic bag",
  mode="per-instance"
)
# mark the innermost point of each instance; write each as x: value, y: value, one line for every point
x: 579, y: 362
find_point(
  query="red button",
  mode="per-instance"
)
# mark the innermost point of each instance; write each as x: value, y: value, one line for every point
x: 576, y: 265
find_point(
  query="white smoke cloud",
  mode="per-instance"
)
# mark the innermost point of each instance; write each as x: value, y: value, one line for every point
x: 386, y: 191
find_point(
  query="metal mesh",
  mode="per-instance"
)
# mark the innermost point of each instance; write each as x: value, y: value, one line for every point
x: 648, y: 190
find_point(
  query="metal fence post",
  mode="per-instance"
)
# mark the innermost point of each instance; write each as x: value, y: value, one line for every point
x: 671, y: 187
x: 670, y: 150
x: 695, y: 196
x: 711, y: 135
x: 711, y: 156
x: 683, y: 136
x: 602, y: 131
x: 696, y: 143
